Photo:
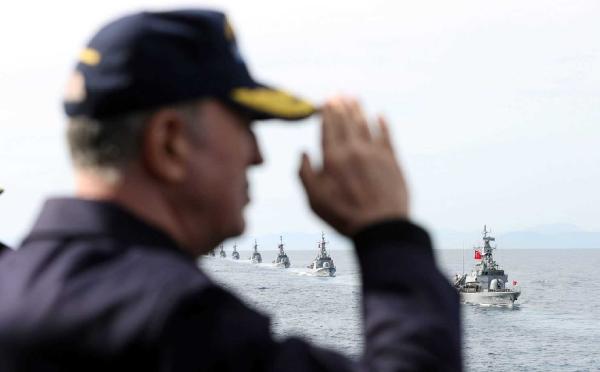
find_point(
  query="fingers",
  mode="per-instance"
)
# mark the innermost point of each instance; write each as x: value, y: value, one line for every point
x: 384, y: 134
x: 359, y: 117
x: 344, y: 121
x: 328, y: 132
x: 350, y: 119
x: 308, y: 175
x: 334, y: 131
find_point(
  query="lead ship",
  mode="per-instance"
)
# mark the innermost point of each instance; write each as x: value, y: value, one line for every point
x: 322, y: 265
x: 256, y: 257
x: 486, y: 283
x: 282, y: 259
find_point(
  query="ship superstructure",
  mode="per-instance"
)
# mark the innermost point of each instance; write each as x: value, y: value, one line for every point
x: 222, y: 251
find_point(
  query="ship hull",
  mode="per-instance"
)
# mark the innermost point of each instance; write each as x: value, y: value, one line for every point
x: 489, y: 298
x: 322, y: 272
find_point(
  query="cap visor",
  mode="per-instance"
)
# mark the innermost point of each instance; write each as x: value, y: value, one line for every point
x: 263, y: 102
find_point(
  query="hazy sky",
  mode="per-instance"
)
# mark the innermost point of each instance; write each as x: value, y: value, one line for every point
x: 494, y: 105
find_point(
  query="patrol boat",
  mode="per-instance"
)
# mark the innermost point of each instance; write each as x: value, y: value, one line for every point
x: 235, y: 254
x: 282, y: 259
x: 486, y: 283
x: 322, y: 265
x: 222, y: 252
x: 256, y: 257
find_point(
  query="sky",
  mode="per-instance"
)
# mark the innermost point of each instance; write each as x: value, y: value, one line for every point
x: 493, y: 105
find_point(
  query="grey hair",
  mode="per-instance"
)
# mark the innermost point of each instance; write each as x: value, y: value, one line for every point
x: 108, y: 145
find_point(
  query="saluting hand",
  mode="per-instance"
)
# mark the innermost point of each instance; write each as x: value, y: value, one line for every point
x: 360, y: 182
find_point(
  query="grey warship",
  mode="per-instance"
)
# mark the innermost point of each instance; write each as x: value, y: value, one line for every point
x: 235, y: 254
x: 282, y: 259
x: 256, y: 257
x: 486, y: 283
x: 323, y: 264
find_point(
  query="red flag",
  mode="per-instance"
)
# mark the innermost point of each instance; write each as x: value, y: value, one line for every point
x: 477, y: 255
x: 515, y: 282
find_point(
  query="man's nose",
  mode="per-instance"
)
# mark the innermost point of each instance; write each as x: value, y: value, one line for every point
x: 256, y: 157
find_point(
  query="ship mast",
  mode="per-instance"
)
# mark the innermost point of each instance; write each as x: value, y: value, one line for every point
x: 488, y: 258
x: 322, y: 245
x: 280, y: 246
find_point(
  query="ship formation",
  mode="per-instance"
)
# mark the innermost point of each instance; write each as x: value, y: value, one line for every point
x: 486, y: 284
x: 322, y: 265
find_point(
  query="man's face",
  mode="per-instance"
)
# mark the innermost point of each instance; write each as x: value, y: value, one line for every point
x: 217, y: 187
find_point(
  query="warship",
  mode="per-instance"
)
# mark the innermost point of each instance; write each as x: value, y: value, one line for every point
x: 322, y: 265
x: 282, y: 259
x: 222, y: 252
x: 256, y: 257
x: 235, y: 254
x: 486, y: 283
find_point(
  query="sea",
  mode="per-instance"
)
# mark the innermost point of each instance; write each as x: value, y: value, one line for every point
x: 554, y: 325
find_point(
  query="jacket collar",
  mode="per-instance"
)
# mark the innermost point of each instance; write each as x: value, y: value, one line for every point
x: 64, y: 218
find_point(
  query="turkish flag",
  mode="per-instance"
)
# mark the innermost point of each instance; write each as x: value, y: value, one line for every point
x: 477, y: 255
x: 515, y: 282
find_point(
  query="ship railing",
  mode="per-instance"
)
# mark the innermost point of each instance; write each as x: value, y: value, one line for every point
x: 474, y: 290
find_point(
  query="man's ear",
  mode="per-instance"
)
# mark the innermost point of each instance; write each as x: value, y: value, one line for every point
x: 165, y: 146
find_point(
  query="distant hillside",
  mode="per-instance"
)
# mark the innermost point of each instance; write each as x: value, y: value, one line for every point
x: 541, y: 237
x: 556, y: 236
x: 561, y: 240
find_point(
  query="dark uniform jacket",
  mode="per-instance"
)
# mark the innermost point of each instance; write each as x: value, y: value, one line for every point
x: 94, y: 288
x: 3, y: 247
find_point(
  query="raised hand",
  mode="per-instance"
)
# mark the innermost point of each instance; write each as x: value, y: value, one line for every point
x: 360, y: 182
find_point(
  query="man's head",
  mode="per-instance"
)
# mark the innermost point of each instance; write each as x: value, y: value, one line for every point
x: 191, y: 158
x: 160, y: 107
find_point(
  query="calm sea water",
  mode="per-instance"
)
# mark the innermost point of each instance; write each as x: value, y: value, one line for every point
x: 554, y: 327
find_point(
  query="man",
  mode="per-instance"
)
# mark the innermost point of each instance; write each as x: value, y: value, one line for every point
x: 2, y: 246
x: 161, y: 107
